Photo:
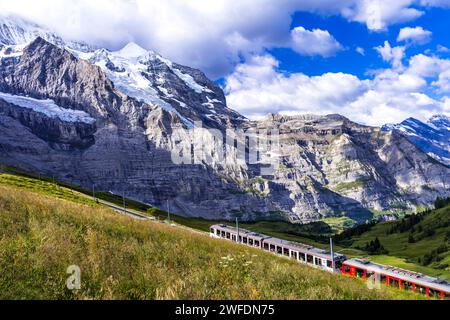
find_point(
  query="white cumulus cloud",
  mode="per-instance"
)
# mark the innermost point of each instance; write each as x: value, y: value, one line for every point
x: 379, y: 14
x: 393, y: 55
x: 257, y: 88
x: 442, y: 49
x: 315, y: 42
x: 361, y: 51
x: 414, y: 35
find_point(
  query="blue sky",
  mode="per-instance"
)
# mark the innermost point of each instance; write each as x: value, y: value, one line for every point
x: 282, y: 56
x: 353, y: 35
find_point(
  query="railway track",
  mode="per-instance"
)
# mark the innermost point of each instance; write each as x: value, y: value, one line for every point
x: 123, y: 211
x: 142, y: 217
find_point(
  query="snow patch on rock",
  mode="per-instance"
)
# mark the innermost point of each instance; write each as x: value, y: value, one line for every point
x: 49, y: 108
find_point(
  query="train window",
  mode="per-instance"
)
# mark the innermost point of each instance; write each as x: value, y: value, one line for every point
x: 309, y: 259
x: 280, y: 250
x: 302, y: 257
x: 406, y: 285
x: 393, y: 282
x: 272, y: 248
x: 218, y: 232
x: 223, y: 234
x: 286, y: 252
x: 257, y: 243
x: 294, y: 255
x: 434, y: 293
x: 250, y: 241
x: 245, y: 240
x: 228, y: 235
x: 346, y: 268
x: 212, y: 231
x: 421, y: 289
x: 329, y: 264
x: 266, y: 246
x: 359, y: 273
x: 233, y: 237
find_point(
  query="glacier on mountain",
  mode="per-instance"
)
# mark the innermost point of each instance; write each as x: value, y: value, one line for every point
x: 127, y: 68
x: 49, y: 108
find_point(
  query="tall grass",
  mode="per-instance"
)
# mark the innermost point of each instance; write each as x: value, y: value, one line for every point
x: 122, y: 258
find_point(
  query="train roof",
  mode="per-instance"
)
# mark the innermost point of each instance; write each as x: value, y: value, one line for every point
x: 410, y: 276
x: 286, y: 244
x: 241, y: 231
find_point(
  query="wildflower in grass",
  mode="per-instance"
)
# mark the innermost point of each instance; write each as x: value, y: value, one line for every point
x: 228, y: 258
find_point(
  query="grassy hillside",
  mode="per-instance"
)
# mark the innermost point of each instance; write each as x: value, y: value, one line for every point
x: 420, y: 242
x: 122, y: 258
x: 47, y: 185
x: 400, y: 253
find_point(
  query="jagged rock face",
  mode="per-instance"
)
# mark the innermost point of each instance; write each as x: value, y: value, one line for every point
x: 330, y: 166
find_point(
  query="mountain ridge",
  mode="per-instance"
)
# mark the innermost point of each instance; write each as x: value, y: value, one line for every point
x: 330, y: 166
x: 432, y: 137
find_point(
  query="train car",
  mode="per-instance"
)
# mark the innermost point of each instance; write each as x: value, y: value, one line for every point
x: 318, y: 258
x: 322, y: 259
x: 396, y: 277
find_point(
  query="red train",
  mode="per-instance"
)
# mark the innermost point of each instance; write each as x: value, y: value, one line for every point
x: 376, y: 274
x: 395, y: 277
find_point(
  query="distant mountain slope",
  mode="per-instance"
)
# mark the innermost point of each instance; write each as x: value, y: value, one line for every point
x: 17, y: 31
x: 432, y: 137
x: 422, y: 239
x: 138, y: 109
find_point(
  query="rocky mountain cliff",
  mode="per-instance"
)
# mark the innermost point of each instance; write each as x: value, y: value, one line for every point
x: 113, y: 119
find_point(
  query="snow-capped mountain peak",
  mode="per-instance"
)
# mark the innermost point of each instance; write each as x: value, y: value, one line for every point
x: 132, y: 50
x: 147, y: 76
x: 440, y: 122
x: 432, y: 137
